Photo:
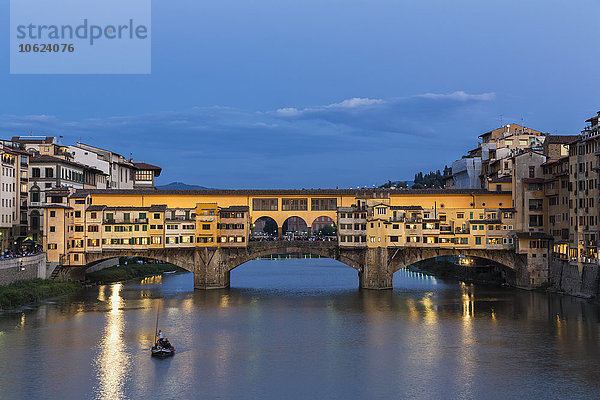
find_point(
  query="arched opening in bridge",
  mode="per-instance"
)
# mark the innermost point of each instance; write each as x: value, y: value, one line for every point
x: 324, y: 227
x: 295, y: 273
x: 466, y: 268
x: 295, y: 228
x: 118, y: 269
x: 265, y: 228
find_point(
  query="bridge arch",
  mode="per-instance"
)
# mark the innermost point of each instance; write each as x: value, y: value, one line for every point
x: 324, y: 225
x: 513, y: 265
x: 183, y: 258
x: 352, y: 258
x: 295, y: 226
x: 264, y: 227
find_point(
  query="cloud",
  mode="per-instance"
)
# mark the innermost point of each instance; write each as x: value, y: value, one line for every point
x: 460, y: 96
x: 354, y: 141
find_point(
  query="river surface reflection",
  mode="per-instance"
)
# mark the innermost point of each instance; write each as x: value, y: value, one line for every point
x: 300, y: 329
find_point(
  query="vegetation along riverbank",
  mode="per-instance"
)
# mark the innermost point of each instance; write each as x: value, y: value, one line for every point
x: 129, y: 271
x: 33, y: 291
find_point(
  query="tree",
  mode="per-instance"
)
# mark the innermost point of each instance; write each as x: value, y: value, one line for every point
x: 328, y: 230
x: 270, y: 227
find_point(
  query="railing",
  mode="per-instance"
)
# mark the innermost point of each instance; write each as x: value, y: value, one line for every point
x: 141, y: 220
x: 461, y: 230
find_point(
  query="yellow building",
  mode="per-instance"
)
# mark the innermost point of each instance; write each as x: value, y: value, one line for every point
x: 101, y: 220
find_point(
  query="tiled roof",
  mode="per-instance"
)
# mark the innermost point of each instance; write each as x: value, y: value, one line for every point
x: 47, y: 158
x: 562, y: 139
x: 148, y: 167
x: 236, y: 209
x: 95, y: 208
x: 283, y: 192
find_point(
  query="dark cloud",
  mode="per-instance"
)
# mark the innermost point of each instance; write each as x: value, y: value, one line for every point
x: 354, y: 142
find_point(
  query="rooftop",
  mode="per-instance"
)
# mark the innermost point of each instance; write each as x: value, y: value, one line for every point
x: 283, y: 192
x: 142, y: 166
x: 562, y: 139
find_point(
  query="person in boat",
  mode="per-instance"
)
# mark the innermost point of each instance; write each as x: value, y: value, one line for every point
x: 166, y: 344
x: 160, y: 338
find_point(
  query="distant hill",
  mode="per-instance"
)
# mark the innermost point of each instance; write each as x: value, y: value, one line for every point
x: 180, y: 186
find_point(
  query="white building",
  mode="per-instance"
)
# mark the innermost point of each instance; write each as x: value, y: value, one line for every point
x: 121, y: 172
x: 466, y: 172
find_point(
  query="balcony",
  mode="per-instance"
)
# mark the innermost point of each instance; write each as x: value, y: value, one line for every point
x: 536, y: 208
x: 141, y: 220
x: 462, y: 231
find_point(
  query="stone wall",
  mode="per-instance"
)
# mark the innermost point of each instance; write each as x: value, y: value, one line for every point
x: 17, y: 269
x: 569, y: 279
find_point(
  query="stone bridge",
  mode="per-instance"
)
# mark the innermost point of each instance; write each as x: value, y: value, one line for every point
x: 375, y: 266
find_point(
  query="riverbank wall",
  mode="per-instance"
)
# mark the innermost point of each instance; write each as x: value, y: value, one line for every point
x: 567, y: 278
x: 22, y: 268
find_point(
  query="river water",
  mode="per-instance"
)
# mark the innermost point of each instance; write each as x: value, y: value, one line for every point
x: 300, y: 329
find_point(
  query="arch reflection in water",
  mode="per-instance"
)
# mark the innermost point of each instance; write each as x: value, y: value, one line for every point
x: 113, y: 360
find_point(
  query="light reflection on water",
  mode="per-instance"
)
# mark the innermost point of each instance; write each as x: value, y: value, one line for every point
x: 301, y: 329
x: 112, y: 361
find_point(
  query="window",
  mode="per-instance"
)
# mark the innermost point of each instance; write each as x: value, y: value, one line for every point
x: 35, y: 197
x: 92, y: 228
x: 156, y: 240
x: 536, y: 220
x: 78, y: 228
x: 294, y: 204
x: 478, y: 240
x: 107, y: 228
x: 156, y: 216
x: 110, y: 216
x: 52, y: 229
x: 142, y: 215
x: 205, y: 226
x: 52, y: 246
x: 264, y: 204
x: 381, y: 210
x: 77, y: 214
x: 323, y: 204
x: 126, y: 217
x: 460, y: 215
x: 35, y: 172
x: 144, y: 175
x: 535, y: 204
x: 532, y: 171
x: 52, y: 214
x: 49, y: 172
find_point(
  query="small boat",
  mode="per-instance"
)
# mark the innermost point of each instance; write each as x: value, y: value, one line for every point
x: 162, y: 348
x: 169, y: 272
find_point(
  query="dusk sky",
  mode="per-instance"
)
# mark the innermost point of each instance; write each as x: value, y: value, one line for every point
x: 316, y: 94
